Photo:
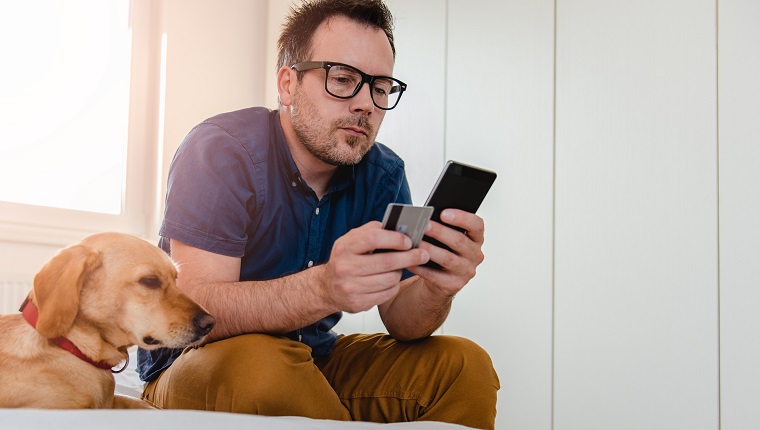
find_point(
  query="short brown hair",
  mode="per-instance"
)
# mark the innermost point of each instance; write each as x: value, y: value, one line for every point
x: 294, y: 44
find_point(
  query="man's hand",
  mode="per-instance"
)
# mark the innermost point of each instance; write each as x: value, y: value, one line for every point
x: 424, y: 301
x: 355, y: 279
x: 466, y: 253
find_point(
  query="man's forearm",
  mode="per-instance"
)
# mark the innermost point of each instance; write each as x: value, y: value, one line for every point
x: 276, y: 306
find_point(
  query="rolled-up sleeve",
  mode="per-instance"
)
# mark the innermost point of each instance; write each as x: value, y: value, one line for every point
x: 210, y: 192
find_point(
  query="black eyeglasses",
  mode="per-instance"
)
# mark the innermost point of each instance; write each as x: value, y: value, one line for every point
x: 344, y: 81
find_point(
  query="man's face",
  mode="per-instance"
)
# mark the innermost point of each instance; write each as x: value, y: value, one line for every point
x: 341, y: 131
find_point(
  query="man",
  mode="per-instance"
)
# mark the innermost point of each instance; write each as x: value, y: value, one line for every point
x: 272, y: 217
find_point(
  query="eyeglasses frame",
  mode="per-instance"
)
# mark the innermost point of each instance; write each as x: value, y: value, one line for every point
x: 366, y: 78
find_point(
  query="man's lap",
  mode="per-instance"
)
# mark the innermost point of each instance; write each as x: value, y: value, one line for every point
x: 366, y: 377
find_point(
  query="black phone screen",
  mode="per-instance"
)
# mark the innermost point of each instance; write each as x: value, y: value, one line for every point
x: 459, y: 187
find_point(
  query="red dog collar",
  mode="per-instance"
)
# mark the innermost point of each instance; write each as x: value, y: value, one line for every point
x: 31, y: 314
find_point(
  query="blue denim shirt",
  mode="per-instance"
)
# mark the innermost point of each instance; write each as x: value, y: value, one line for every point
x: 234, y: 190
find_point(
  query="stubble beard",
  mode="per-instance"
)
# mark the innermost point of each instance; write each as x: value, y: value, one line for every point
x: 323, y: 142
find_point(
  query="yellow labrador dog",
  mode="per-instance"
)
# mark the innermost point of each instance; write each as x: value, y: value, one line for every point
x: 90, y: 303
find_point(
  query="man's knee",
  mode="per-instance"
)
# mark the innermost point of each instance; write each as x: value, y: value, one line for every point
x: 256, y: 374
x: 460, y: 353
x: 250, y: 373
x: 464, y: 368
x: 254, y: 362
x: 469, y: 382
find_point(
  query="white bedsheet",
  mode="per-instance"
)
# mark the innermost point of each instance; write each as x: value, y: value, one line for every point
x: 36, y: 419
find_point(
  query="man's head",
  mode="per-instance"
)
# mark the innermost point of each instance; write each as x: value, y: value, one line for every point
x: 294, y: 45
x: 334, y: 129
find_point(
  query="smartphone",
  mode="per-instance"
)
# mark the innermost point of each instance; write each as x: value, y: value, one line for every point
x: 407, y: 219
x: 459, y: 186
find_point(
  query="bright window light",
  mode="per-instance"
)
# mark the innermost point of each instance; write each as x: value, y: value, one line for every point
x: 64, y: 103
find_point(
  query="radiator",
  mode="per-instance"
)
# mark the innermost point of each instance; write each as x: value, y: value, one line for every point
x: 13, y: 290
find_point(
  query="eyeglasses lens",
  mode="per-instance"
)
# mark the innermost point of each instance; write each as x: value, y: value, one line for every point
x: 345, y: 82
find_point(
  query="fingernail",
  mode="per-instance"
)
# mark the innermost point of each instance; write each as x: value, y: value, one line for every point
x: 447, y: 216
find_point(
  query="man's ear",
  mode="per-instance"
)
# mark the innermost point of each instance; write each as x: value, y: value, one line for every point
x: 286, y: 85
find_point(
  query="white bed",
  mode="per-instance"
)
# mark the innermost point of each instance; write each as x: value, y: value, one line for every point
x: 36, y: 419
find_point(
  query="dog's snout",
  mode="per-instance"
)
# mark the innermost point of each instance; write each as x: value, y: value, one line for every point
x: 203, y: 323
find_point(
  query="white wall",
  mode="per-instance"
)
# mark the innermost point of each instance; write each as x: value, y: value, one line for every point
x: 499, y: 115
x: 612, y: 296
x: 654, y: 289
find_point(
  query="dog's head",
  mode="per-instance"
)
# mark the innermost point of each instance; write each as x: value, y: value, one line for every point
x: 123, y: 287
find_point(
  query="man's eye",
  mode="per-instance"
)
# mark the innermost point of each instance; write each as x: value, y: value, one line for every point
x: 382, y: 87
x: 342, y: 80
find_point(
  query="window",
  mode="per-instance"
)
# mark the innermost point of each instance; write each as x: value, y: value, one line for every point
x: 76, y: 111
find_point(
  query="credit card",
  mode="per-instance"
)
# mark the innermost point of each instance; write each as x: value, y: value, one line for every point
x: 408, y: 219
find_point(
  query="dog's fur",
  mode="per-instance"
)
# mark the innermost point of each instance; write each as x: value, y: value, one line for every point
x: 104, y: 294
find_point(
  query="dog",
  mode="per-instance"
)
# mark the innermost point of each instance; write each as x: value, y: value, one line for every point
x: 88, y: 304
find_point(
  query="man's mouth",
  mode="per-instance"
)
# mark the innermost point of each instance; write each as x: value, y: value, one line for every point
x: 355, y: 131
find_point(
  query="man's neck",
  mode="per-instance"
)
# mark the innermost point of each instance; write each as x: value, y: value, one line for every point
x: 317, y: 174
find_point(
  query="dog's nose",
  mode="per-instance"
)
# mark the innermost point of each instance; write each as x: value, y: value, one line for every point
x: 203, y: 323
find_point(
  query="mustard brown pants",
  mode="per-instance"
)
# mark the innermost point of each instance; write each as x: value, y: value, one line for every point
x: 365, y: 378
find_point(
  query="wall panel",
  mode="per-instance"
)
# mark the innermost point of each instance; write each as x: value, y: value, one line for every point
x: 636, y: 339
x: 739, y: 68
x: 499, y: 115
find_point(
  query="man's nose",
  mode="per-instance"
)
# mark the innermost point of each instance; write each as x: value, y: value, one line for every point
x: 362, y: 101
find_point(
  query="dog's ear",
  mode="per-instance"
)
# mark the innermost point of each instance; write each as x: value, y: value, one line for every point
x: 57, y: 287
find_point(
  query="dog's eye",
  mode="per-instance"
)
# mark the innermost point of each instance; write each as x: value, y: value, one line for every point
x: 151, y: 281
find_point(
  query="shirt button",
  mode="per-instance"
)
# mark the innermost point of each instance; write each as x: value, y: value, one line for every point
x: 293, y: 184
x: 311, y: 263
x: 317, y: 211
